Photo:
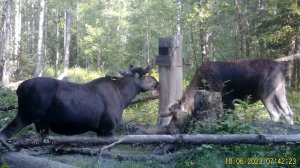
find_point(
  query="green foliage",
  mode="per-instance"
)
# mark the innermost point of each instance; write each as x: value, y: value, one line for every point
x: 294, y: 99
x: 238, y: 121
x: 232, y: 123
x: 79, y: 75
x: 218, y: 156
x: 7, y: 98
x: 142, y: 113
x: 5, y: 166
x: 280, y: 38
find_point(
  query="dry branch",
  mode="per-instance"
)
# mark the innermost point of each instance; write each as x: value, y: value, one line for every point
x: 168, y: 139
x: 288, y: 58
x: 6, y: 145
x: 144, y: 99
x: 20, y: 160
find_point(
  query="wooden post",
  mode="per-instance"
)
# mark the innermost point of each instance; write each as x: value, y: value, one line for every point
x: 169, y: 64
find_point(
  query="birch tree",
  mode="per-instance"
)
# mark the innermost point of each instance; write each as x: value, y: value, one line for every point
x: 57, y: 47
x: 5, y: 38
x: 17, y: 31
x: 40, y: 57
x: 67, y: 38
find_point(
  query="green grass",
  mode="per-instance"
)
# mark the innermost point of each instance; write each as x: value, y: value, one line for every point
x: 7, y: 98
x: 294, y: 101
x: 218, y: 156
x: 78, y: 75
x: 239, y: 121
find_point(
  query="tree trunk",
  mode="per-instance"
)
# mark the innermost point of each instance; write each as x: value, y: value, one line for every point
x: 57, y: 43
x: 17, y: 33
x: 247, y: 28
x: 32, y: 48
x: 5, y: 46
x: 67, y: 38
x: 193, y: 46
x: 45, y: 41
x: 178, y: 27
x: 241, y: 51
x: 40, y: 52
x: 204, y: 45
x: 295, y: 77
x: 298, y: 75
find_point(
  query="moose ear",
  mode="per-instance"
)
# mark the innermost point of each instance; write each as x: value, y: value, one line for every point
x: 147, y: 69
x: 130, y: 67
x: 121, y: 72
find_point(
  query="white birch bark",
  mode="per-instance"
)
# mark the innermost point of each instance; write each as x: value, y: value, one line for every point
x: 5, y: 39
x: 40, y: 54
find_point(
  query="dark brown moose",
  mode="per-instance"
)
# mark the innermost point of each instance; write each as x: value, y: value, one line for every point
x: 70, y: 108
x: 261, y: 79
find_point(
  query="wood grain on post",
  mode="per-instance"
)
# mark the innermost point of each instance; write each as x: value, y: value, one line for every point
x: 170, y: 74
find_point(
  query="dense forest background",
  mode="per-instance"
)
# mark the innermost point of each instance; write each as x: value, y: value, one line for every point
x: 104, y: 34
x: 85, y: 39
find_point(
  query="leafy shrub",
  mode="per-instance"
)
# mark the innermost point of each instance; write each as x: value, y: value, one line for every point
x: 7, y: 98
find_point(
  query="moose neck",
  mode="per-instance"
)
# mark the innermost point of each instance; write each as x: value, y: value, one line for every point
x: 187, y: 101
x: 130, y: 90
x: 188, y: 98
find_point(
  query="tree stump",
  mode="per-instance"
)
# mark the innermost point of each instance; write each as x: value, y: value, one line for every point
x: 207, y: 109
x: 208, y: 106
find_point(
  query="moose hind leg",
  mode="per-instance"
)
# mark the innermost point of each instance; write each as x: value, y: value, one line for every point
x: 270, y: 104
x: 13, y: 127
x: 282, y: 103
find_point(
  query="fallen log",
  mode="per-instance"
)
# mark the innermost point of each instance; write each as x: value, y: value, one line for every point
x: 161, y: 139
x: 20, y: 160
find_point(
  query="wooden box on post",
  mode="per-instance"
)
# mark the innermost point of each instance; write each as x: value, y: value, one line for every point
x: 169, y: 64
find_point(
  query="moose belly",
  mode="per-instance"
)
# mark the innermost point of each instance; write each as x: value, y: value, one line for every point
x: 74, y: 123
x: 71, y: 128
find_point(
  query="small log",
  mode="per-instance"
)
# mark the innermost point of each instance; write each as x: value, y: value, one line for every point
x: 7, y: 108
x: 168, y: 139
x: 20, y: 160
